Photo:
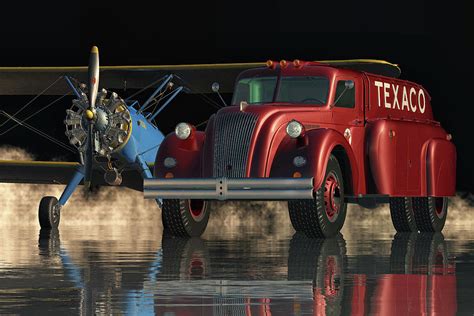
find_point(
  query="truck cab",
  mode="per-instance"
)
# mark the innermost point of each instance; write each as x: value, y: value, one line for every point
x: 318, y: 136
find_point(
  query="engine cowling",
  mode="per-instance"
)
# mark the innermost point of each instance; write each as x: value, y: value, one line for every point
x: 112, y: 126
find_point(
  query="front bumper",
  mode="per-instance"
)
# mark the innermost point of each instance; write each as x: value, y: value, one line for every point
x: 263, y: 189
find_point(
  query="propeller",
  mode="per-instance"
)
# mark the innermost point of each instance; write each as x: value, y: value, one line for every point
x: 91, y: 113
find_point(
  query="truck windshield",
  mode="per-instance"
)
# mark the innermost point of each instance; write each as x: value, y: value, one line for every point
x: 296, y: 89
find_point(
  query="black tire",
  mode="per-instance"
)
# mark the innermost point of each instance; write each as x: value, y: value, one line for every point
x: 402, y: 252
x: 49, y: 242
x: 419, y: 253
x: 430, y: 213
x: 49, y: 214
x: 402, y: 213
x: 320, y: 217
x: 184, y: 259
x: 431, y: 254
x: 180, y: 220
x: 323, y: 261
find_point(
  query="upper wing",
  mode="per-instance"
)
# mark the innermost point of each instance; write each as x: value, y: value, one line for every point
x: 53, y: 172
x: 32, y: 80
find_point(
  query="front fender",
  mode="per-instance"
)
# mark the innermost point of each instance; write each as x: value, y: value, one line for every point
x: 316, y: 146
x: 186, y: 152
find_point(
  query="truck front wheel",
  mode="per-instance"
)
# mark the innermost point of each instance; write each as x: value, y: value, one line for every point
x: 185, y: 218
x: 323, y: 216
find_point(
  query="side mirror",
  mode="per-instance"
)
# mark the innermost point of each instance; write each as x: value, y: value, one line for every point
x: 215, y: 87
x: 349, y: 84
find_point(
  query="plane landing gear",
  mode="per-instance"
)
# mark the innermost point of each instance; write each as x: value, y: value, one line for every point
x: 49, y: 212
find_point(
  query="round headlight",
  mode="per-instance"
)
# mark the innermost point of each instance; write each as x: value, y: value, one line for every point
x: 183, y: 130
x: 299, y: 161
x: 170, y: 162
x: 294, y: 129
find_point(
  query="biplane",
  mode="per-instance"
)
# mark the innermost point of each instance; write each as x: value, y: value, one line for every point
x: 116, y: 139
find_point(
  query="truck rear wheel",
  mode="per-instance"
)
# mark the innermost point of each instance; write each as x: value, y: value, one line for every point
x: 323, y: 216
x: 402, y: 213
x: 430, y: 213
x: 185, y: 218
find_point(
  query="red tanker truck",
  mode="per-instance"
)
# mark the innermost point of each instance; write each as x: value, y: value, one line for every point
x: 318, y: 136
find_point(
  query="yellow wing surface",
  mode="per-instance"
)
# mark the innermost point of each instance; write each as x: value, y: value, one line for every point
x: 56, y: 172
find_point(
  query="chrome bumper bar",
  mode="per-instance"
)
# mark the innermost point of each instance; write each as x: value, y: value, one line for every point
x: 229, y: 188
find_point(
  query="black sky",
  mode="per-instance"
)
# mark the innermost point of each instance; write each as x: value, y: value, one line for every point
x: 431, y: 41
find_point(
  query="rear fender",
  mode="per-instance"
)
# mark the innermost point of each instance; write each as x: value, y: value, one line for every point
x: 316, y: 146
x: 186, y: 152
x: 440, y: 168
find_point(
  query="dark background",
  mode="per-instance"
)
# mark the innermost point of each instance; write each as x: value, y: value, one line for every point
x: 432, y: 43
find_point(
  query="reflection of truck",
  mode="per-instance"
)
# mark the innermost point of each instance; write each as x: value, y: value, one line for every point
x: 418, y: 278
x: 318, y: 136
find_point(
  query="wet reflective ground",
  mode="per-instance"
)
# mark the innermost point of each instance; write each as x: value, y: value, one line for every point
x: 239, y: 267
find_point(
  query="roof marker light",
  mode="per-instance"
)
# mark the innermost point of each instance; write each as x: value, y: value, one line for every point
x: 283, y: 63
x: 297, y: 63
x: 270, y: 63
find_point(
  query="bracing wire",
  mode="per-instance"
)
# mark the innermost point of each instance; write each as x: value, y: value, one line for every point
x: 12, y: 117
x: 35, y: 113
x: 37, y: 131
x: 32, y: 100
x: 144, y: 88
x: 202, y: 123
x: 203, y: 96
x: 156, y: 102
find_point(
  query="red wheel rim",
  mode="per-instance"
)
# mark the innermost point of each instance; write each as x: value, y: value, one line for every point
x: 196, y: 268
x: 196, y: 208
x: 439, y: 207
x: 331, y: 288
x: 332, y: 197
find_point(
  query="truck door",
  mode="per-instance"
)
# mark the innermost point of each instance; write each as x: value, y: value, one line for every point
x: 348, y: 108
x: 348, y: 117
x: 347, y: 112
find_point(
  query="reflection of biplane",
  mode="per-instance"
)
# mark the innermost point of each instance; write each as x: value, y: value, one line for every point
x: 117, y: 140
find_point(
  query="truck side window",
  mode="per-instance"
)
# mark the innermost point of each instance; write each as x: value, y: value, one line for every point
x: 348, y: 98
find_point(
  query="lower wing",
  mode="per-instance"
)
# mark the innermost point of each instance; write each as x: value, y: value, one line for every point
x: 57, y: 172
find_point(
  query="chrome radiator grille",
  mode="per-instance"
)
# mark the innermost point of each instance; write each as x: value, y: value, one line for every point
x: 232, y: 136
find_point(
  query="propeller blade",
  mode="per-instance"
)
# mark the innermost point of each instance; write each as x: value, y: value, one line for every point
x: 93, y: 76
x: 88, y: 157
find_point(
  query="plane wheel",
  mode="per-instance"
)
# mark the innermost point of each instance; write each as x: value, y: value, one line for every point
x: 49, y: 213
x: 430, y: 213
x: 185, y: 218
x: 402, y: 213
x: 323, y: 216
